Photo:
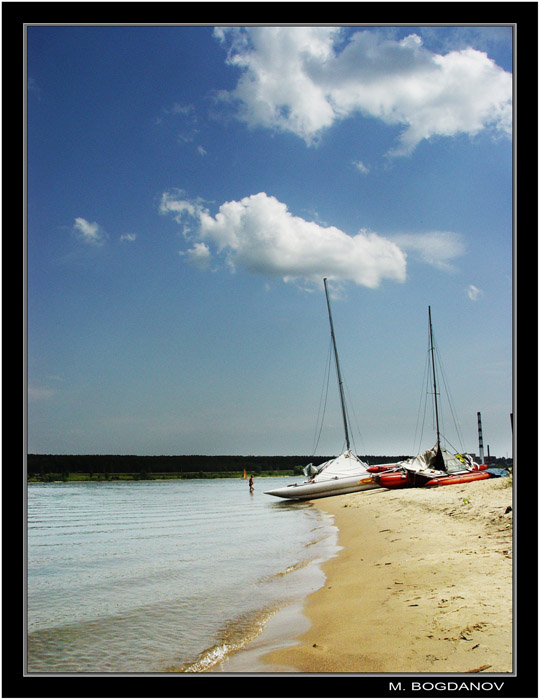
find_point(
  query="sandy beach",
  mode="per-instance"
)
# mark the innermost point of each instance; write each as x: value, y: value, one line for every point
x: 422, y: 584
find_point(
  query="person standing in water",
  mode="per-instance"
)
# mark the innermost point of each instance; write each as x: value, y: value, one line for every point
x: 251, y: 486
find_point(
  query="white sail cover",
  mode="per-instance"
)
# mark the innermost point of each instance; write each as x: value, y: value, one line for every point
x: 346, y: 465
x: 437, y: 459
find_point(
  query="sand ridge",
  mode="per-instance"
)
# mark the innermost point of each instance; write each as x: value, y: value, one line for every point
x: 423, y: 583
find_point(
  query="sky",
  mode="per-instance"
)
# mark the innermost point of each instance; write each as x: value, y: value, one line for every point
x: 188, y: 189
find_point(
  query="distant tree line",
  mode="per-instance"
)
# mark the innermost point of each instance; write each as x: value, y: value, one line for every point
x: 178, y: 464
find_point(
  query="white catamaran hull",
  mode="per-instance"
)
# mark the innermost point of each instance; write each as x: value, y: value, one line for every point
x: 330, y: 487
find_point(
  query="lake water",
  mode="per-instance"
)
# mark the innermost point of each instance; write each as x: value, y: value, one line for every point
x: 164, y: 576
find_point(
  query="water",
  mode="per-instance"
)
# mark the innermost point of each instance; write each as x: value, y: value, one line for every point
x: 163, y: 576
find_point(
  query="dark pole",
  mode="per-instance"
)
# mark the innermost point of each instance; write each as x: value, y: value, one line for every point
x: 340, y: 382
x: 434, y: 379
x: 480, y: 437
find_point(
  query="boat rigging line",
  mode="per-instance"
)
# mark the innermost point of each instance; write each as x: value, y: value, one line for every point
x: 434, y: 362
x: 423, y: 402
x: 326, y: 383
x: 349, y: 437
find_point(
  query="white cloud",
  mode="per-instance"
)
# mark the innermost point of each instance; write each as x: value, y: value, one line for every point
x: 90, y: 233
x: 474, y: 293
x: 361, y: 167
x: 182, y: 117
x: 175, y: 202
x: 36, y: 394
x: 303, y: 79
x: 130, y: 237
x: 198, y: 256
x: 184, y: 110
x: 259, y: 234
x: 437, y: 248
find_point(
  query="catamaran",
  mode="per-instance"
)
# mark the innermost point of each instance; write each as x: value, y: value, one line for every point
x: 344, y: 474
x: 436, y: 466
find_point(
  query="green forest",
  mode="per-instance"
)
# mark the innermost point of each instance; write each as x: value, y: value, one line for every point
x: 99, y: 467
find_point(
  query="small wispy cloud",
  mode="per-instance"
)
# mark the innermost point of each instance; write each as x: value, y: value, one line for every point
x: 474, y: 293
x: 198, y: 256
x: 436, y: 248
x: 177, y: 203
x: 183, y: 118
x: 188, y: 121
x: 361, y: 167
x: 130, y: 237
x: 89, y: 233
x: 36, y: 394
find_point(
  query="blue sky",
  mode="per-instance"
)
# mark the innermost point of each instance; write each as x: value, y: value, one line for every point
x: 190, y: 187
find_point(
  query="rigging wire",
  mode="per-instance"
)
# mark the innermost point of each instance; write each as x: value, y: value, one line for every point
x: 323, y: 401
x: 450, y: 402
x: 351, y: 403
x: 427, y: 383
x: 422, y: 403
x: 326, y: 380
x: 430, y: 391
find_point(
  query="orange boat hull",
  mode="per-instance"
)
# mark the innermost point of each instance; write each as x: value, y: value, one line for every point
x: 395, y: 480
x: 457, y: 479
x: 380, y: 468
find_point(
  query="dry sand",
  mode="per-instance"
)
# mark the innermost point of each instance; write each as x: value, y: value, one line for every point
x: 423, y: 583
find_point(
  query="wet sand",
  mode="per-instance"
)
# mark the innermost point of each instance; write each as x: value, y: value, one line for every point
x: 422, y: 584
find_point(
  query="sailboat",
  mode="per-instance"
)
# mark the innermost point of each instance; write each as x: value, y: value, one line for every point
x: 343, y: 474
x: 436, y: 466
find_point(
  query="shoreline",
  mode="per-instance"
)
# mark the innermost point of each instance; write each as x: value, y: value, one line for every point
x: 422, y: 584
x: 289, y: 619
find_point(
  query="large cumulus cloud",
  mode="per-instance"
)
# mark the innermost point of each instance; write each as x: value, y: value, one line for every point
x: 259, y: 234
x: 303, y: 79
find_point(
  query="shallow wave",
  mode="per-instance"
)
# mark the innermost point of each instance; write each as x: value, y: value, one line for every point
x: 233, y: 637
x: 289, y: 570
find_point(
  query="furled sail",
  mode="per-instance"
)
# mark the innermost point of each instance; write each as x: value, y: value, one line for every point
x: 437, y: 458
x: 347, y: 464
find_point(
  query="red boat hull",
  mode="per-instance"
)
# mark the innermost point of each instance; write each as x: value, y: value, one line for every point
x: 457, y: 479
x: 394, y: 480
x: 380, y: 468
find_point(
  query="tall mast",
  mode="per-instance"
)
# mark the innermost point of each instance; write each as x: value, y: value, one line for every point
x: 434, y: 379
x: 340, y: 381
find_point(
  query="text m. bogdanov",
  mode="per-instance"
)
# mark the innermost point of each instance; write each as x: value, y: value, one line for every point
x: 450, y: 686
